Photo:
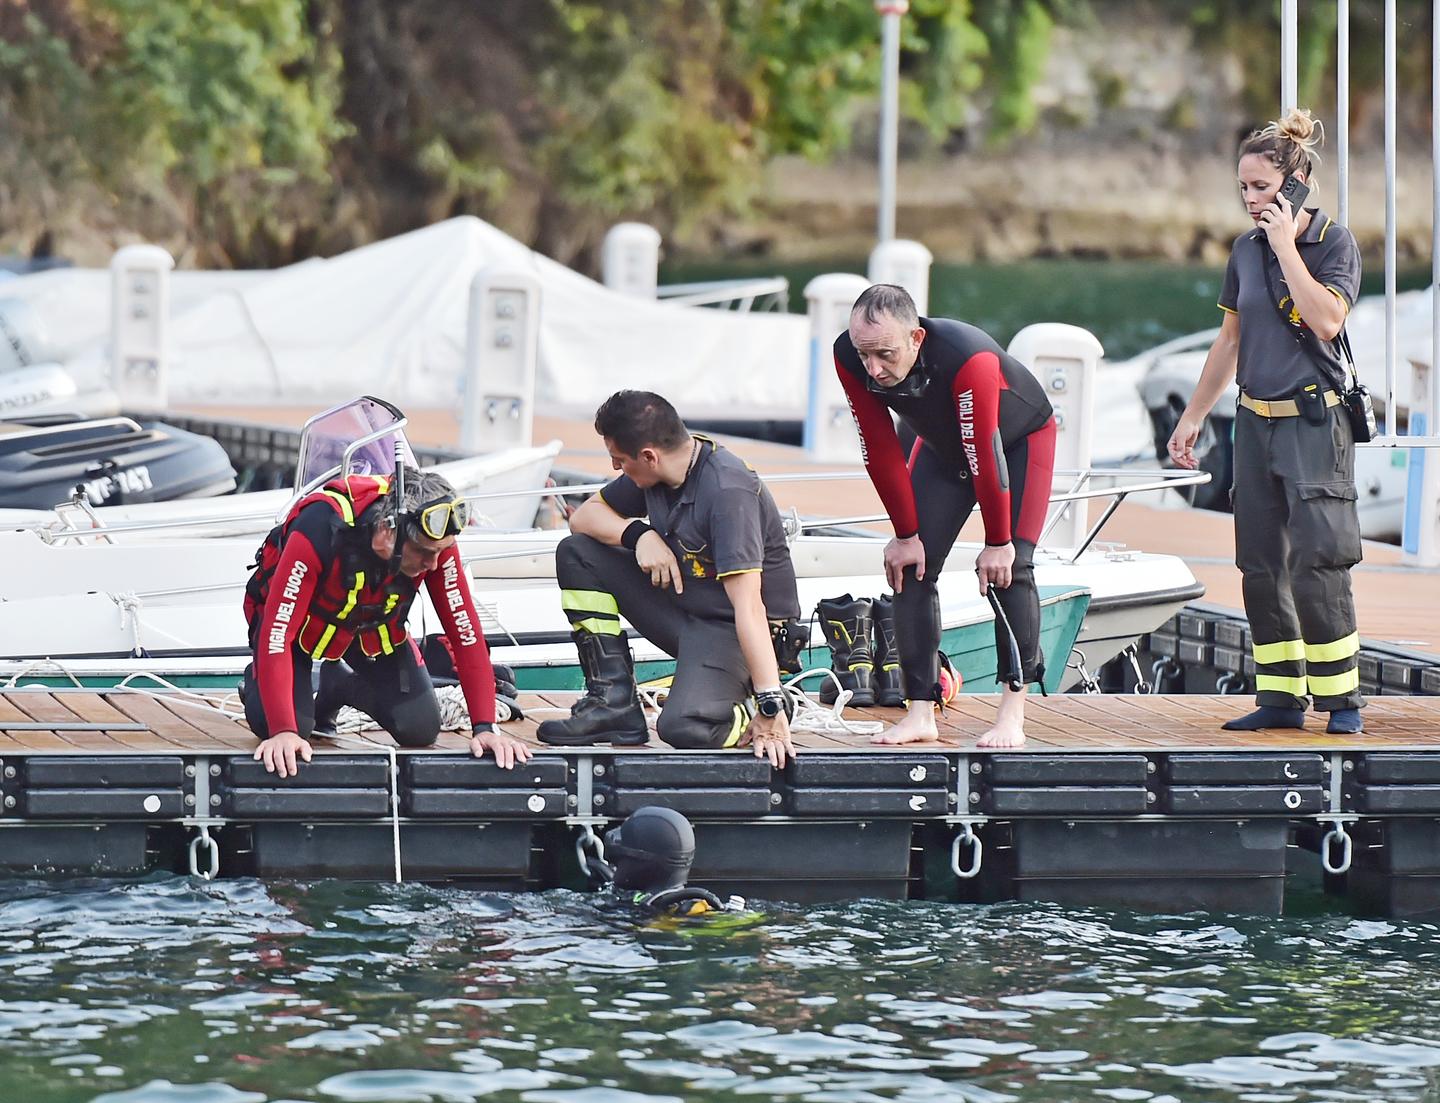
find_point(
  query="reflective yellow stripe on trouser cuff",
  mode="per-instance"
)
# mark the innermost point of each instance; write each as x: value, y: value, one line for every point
x: 1335, y: 685
x: 1276, y: 684
x: 599, y: 626
x: 737, y: 726
x: 1283, y: 652
x: 1332, y: 652
x: 589, y: 601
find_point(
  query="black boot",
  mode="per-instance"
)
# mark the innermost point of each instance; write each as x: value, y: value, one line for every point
x: 610, y: 710
x: 847, y: 625
x: 889, y: 692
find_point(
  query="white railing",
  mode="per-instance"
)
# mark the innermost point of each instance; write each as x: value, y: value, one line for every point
x: 743, y: 295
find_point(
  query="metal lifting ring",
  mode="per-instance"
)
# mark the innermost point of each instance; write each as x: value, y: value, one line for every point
x: 1164, y: 667
x: 1227, y: 683
x: 1076, y: 662
x: 588, y: 840
x: 977, y: 853
x: 1347, y: 848
x: 1141, y: 685
x: 202, y: 839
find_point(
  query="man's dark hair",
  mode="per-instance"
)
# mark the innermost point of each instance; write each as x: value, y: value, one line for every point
x: 633, y: 420
x: 887, y: 299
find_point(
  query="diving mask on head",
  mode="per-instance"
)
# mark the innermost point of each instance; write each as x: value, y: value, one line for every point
x: 442, y: 518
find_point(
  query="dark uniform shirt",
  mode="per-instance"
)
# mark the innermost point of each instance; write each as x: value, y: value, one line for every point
x: 1272, y: 363
x: 720, y: 521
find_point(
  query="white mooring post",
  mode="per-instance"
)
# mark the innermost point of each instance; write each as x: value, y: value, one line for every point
x: 502, y: 343
x: 830, y: 433
x: 139, y: 319
x: 630, y: 259
x: 906, y: 263
x: 1065, y: 358
x: 1421, y: 536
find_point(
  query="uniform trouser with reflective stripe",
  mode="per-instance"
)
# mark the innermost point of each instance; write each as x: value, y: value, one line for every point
x: 711, y: 678
x: 1297, y: 534
x: 395, y: 690
x: 943, y: 503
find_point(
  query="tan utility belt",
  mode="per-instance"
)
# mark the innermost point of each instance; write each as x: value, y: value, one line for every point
x: 1281, y: 407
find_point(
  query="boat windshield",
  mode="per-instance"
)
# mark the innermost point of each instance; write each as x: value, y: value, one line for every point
x: 326, y: 436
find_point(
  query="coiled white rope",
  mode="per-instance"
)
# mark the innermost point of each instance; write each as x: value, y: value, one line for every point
x: 454, y: 713
x: 811, y: 716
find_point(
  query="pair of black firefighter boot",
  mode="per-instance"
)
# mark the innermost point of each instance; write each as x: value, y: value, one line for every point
x: 847, y: 623
x: 610, y: 711
x: 889, y: 685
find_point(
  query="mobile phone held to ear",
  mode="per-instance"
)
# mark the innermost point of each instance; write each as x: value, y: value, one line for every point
x: 1295, y: 191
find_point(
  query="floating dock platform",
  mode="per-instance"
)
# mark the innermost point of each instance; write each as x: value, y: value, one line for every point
x: 1128, y: 801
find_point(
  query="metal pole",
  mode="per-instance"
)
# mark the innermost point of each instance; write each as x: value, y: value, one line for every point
x: 1289, y: 21
x: 890, y: 13
x: 1342, y: 110
x: 1390, y: 421
x: 1434, y: 406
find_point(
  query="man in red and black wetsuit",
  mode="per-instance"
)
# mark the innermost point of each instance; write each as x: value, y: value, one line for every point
x: 985, y: 433
x: 331, y: 587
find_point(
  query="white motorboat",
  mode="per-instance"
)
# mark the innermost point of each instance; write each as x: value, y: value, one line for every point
x: 498, y: 481
x: 1167, y: 375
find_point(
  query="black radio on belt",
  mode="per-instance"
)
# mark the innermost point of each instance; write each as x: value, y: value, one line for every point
x: 789, y: 638
x: 1311, y: 401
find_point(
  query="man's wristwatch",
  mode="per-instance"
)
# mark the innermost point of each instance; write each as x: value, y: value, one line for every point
x: 770, y: 702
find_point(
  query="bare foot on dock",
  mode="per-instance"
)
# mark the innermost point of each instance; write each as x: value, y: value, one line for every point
x: 917, y: 727
x: 1009, y: 727
x: 1002, y: 735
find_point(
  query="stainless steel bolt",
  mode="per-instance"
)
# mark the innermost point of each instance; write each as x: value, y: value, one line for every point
x: 215, y: 769
x: 975, y: 767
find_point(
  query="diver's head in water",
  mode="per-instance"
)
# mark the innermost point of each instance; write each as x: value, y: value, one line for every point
x: 652, y: 850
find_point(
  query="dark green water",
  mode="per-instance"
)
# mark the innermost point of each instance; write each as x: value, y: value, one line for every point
x: 173, y: 991
x: 1130, y: 305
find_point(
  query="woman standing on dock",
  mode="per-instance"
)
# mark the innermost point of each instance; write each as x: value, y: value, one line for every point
x: 1288, y: 288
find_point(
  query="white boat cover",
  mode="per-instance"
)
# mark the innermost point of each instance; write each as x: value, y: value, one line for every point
x: 390, y: 319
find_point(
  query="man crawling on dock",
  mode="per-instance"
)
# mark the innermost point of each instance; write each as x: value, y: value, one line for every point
x: 333, y: 583
x: 984, y: 432
x: 687, y: 545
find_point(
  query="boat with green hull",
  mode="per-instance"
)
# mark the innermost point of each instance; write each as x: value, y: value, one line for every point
x: 541, y: 667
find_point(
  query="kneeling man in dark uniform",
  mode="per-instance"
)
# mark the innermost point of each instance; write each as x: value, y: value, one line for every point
x: 686, y: 544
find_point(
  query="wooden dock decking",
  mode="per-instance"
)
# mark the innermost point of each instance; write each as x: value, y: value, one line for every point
x: 147, y: 724
x: 1397, y: 604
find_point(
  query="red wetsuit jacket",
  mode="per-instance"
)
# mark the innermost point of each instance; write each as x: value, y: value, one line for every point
x: 967, y: 399
x: 319, y: 588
